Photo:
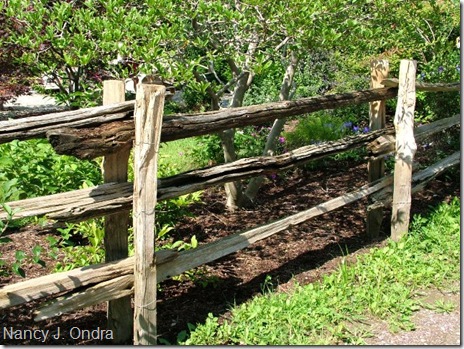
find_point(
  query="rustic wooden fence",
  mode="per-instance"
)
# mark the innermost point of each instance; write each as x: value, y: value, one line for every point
x: 110, y: 131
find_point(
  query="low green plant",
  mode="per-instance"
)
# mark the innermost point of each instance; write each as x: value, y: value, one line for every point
x: 381, y: 284
x: 441, y: 306
x: 32, y: 168
x: 321, y: 127
x: 81, y: 243
x: 444, y: 67
x: 21, y: 258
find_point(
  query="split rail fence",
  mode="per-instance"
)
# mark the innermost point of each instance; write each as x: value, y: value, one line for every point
x: 110, y: 131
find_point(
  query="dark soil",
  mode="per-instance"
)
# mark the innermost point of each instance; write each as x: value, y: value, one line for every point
x: 301, y: 254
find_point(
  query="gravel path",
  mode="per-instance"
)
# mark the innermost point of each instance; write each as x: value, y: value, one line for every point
x: 432, y: 327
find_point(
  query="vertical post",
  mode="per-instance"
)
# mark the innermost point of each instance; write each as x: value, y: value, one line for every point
x: 119, y: 313
x: 376, y: 168
x: 405, y: 149
x: 148, y: 121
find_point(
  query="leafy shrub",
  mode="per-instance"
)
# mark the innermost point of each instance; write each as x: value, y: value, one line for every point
x: 21, y: 257
x: 32, y: 168
x: 81, y: 243
x: 249, y: 141
x: 443, y: 67
x: 320, y: 127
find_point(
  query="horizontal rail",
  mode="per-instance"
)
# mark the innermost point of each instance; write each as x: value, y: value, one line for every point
x: 171, y: 263
x: 428, y: 87
x: 109, y: 198
x: 181, y: 125
x: 91, y: 143
x: 37, y: 126
x: 51, y: 284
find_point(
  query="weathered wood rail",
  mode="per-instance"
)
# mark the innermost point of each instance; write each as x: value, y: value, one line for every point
x: 52, y: 284
x: 109, y: 198
x: 93, y: 132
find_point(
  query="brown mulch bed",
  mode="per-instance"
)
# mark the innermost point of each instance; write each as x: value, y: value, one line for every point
x: 301, y: 254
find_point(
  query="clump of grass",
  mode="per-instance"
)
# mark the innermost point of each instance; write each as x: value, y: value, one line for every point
x: 381, y: 284
x: 177, y: 154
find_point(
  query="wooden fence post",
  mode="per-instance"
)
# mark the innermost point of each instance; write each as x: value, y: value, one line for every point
x: 119, y: 312
x: 148, y: 121
x: 405, y: 149
x: 376, y: 168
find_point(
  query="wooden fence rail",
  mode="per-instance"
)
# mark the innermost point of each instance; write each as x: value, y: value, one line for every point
x: 108, y: 198
x: 66, y: 282
x: 93, y: 132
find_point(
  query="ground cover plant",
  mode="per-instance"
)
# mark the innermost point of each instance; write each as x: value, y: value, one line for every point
x: 383, y: 283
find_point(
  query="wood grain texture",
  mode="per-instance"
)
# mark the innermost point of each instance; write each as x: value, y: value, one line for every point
x: 87, y: 203
x: 93, y: 142
x: 405, y: 149
x: 116, y: 225
x: 148, y: 122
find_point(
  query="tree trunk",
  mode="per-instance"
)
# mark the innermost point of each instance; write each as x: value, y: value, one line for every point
x: 255, y: 184
x: 235, y: 197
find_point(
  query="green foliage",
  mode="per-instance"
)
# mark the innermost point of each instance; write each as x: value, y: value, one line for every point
x: 32, y: 168
x: 248, y: 141
x: 208, y: 150
x: 382, y: 283
x: 321, y: 127
x: 316, y: 128
x: 81, y: 243
x: 21, y: 258
x: 433, y: 106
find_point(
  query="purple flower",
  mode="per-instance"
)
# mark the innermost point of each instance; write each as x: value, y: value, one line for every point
x: 348, y: 124
x: 440, y: 69
x: 366, y: 129
x: 281, y: 140
x: 355, y: 128
x: 273, y: 176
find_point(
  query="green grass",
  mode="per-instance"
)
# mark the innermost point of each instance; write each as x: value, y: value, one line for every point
x: 176, y: 154
x: 381, y: 284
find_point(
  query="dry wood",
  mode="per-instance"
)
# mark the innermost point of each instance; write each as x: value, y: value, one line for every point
x: 424, y: 86
x: 405, y: 150
x: 76, y: 205
x: 51, y: 284
x: 118, y: 288
x: 37, y: 126
x: 93, y: 142
x: 419, y: 179
x: 58, y: 283
x: 113, y: 197
x: 386, y: 143
x: 376, y: 168
x: 148, y: 120
x: 82, y: 204
x: 176, y: 264
x: 116, y: 240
